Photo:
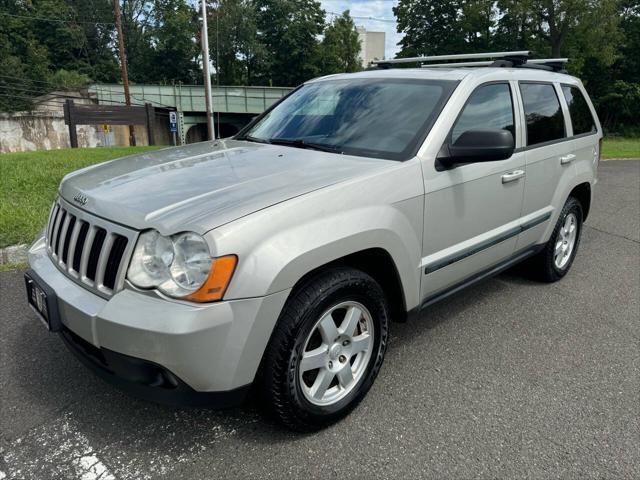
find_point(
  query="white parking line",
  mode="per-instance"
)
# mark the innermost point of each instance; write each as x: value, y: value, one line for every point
x: 60, y: 445
x: 63, y: 448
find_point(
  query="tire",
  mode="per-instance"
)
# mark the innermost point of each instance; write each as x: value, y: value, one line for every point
x: 286, y: 380
x: 545, y: 265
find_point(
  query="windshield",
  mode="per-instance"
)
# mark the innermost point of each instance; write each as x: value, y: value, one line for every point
x: 386, y: 118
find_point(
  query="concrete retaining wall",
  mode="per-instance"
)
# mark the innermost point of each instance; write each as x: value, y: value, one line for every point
x: 41, y: 130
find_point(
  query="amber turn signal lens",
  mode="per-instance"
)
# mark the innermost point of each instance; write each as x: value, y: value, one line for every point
x: 216, y: 284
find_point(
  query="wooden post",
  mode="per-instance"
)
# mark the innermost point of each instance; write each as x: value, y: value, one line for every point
x: 71, y: 121
x: 151, y: 122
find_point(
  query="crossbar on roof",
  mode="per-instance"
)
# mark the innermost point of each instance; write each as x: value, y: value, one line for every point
x: 462, y: 56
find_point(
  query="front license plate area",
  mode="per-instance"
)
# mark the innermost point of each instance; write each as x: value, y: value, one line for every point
x: 43, y: 301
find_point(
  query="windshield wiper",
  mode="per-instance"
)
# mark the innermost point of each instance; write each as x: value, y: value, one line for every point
x: 249, y: 138
x: 300, y: 143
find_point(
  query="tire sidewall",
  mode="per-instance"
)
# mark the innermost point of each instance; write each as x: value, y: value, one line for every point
x: 572, y: 206
x: 371, y: 296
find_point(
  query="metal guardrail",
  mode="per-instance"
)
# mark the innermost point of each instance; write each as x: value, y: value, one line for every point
x: 190, y: 98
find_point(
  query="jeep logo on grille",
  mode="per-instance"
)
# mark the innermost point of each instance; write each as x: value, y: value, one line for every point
x: 80, y: 198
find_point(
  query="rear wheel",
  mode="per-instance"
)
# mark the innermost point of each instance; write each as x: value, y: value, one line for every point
x: 555, y: 260
x: 326, y: 350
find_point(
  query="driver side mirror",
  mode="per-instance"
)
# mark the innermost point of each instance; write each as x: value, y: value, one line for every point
x: 479, y: 145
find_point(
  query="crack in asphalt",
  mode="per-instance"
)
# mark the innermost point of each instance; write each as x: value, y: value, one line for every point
x: 612, y: 234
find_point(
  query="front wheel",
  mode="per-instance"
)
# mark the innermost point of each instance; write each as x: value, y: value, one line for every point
x: 326, y: 349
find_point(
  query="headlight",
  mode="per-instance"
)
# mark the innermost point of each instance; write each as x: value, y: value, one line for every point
x: 180, y: 266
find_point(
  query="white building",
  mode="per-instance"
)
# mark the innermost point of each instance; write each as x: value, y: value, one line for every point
x: 371, y: 46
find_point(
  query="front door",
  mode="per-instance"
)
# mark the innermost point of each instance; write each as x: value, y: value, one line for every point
x: 472, y: 211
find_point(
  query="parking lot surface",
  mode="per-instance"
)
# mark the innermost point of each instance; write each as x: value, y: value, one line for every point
x: 508, y: 379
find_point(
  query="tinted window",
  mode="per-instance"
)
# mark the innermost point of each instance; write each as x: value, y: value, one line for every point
x: 543, y: 114
x: 488, y: 107
x: 374, y: 117
x: 581, y: 117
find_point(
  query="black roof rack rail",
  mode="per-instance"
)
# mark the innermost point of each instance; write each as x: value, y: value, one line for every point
x: 496, y: 59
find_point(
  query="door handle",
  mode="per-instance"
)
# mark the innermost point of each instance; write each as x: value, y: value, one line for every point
x: 512, y: 176
x: 567, y: 159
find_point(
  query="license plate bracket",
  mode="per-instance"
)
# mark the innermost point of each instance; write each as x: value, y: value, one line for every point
x: 43, y: 300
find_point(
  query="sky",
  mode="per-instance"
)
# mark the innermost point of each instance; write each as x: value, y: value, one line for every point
x: 373, y: 15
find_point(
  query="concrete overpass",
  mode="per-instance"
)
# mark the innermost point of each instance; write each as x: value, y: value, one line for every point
x: 233, y: 107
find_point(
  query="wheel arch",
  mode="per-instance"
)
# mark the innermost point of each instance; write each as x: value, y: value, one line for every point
x: 379, y: 265
x: 582, y: 193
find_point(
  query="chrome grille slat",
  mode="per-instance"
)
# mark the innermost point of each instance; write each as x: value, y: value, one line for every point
x: 54, y: 234
x: 106, y: 245
x: 122, y: 269
x: 102, y: 259
x: 50, y: 223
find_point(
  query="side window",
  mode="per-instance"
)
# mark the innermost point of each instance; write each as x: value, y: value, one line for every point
x: 543, y: 114
x: 490, y: 106
x: 581, y: 117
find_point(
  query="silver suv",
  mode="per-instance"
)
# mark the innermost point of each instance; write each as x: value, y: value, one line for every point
x: 276, y: 260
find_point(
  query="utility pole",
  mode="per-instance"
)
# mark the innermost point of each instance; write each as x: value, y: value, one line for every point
x: 123, y: 69
x: 205, y: 71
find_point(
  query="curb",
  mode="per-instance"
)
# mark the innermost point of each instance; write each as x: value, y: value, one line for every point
x: 14, y: 254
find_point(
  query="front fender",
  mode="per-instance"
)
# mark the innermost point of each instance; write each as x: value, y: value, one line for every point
x: 283, y: 257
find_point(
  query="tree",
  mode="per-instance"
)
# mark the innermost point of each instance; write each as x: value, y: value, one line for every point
x: 589, y: 25
x: 233, y: 38
x: 340, y: 46
x: 136, y: 28
x: 477, y: 20
x: 50, y: 44
x: 173, y: 34
x: 289, y: 30
x: 430, y: 27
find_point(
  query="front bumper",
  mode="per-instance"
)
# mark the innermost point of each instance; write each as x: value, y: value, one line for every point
x: 170, y: 348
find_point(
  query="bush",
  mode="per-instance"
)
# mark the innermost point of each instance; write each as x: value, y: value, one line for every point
x: 619, y: 109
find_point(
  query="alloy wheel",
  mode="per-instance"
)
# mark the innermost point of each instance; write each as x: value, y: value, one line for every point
x: 336, y: 353
x: 566, y: 241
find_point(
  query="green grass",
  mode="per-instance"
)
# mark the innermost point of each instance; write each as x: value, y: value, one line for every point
x: 614, y: 147
x: 9, y: 267
x: 30, y: 181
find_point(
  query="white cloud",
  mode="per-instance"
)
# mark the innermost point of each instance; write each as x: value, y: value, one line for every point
x: 367, y: 13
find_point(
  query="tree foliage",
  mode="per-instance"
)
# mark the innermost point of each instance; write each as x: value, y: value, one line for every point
x: 340, y: 46
x: 49, y: 44
x: 289, y: 30
x: 236, y: 52
x: 601, y: 37
x: 53, y: 44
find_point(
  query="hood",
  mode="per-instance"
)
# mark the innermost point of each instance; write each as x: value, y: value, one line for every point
x: 201, y: 186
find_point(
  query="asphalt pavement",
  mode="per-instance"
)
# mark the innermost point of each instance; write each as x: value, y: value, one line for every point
x: 509, y: 379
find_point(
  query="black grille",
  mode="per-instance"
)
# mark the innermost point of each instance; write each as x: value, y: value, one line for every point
x: 67, y: 238
x: 94, y: 253
x: 113, y: 263
x: 77, y: 254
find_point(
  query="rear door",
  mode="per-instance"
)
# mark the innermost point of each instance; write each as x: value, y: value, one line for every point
x: 472, y: 211
x: 549, y: 155
x: 583, y: 128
